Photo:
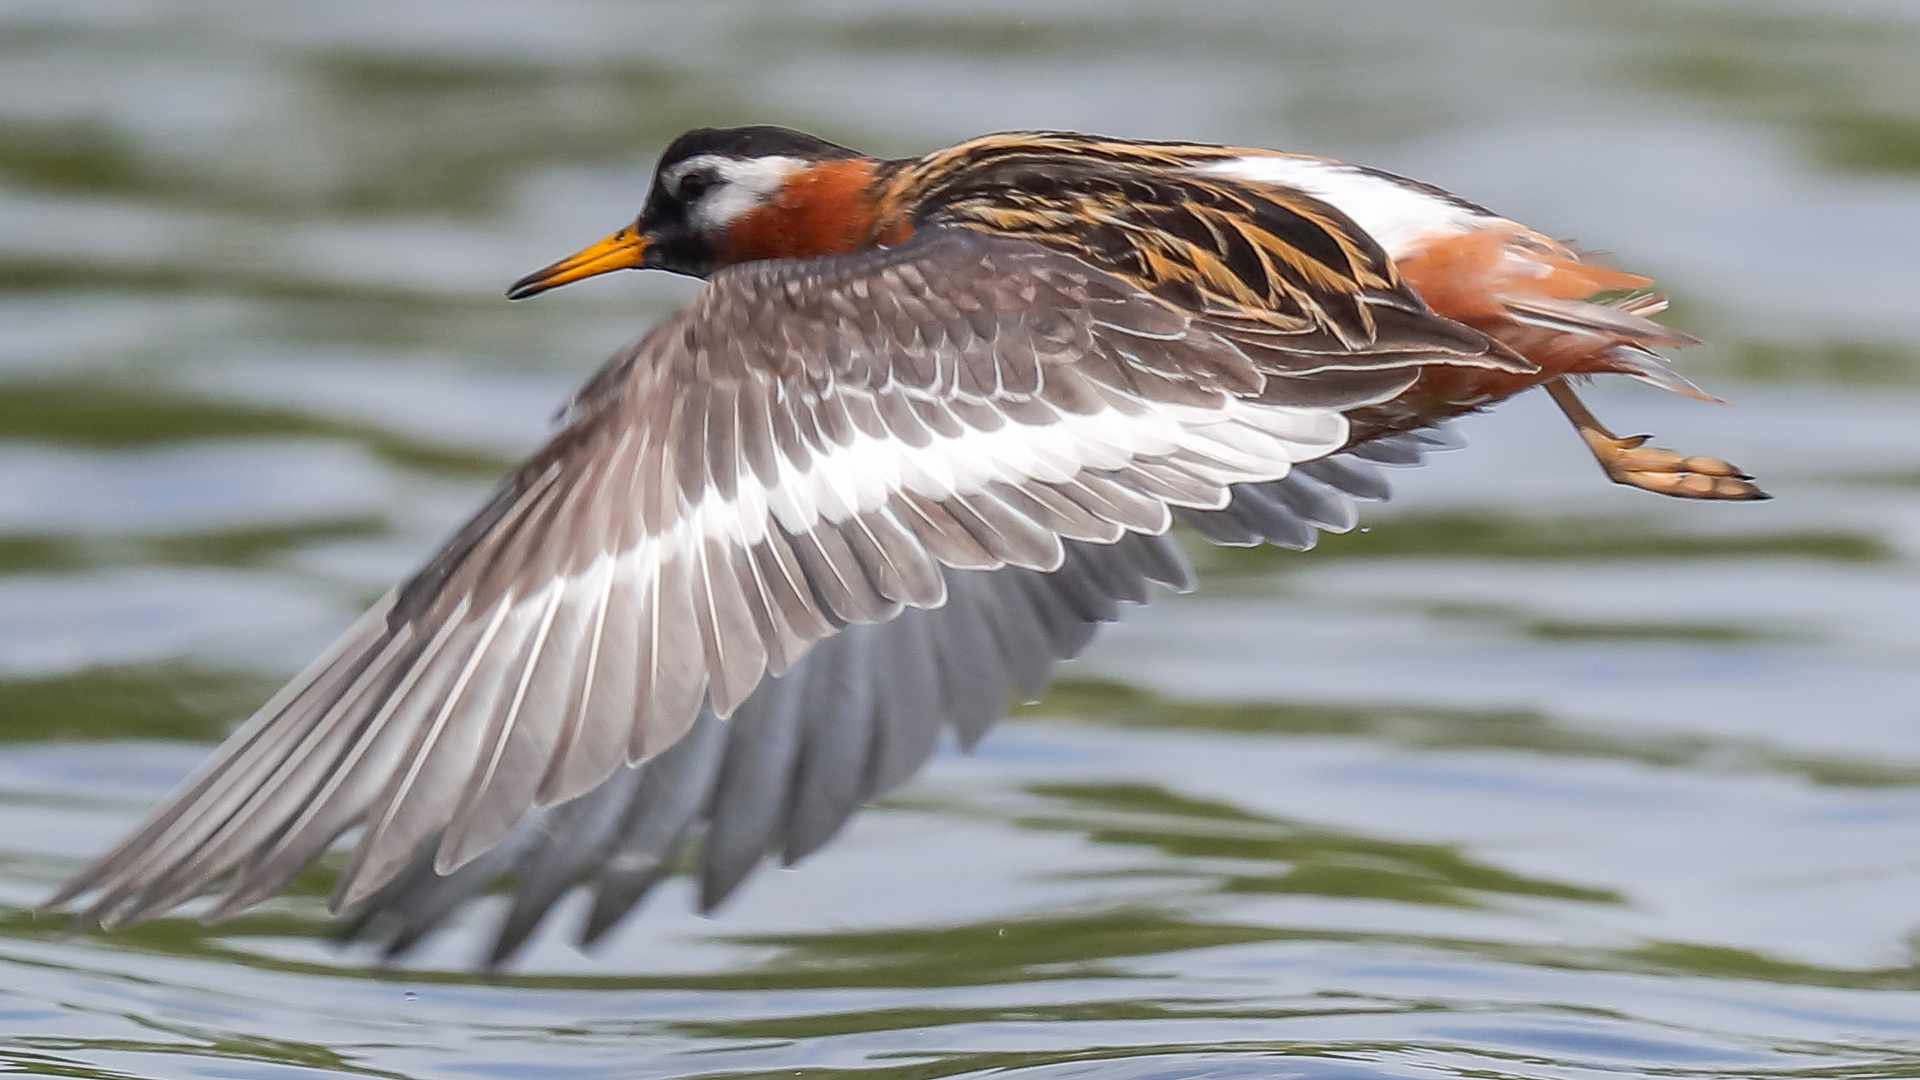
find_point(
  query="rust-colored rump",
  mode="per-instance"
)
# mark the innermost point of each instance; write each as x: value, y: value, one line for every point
x: 1470, y: 277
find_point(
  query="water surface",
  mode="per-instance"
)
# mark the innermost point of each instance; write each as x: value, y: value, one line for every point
x: 1532, y: 777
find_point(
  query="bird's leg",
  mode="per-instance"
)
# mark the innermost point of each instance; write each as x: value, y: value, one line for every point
x: 1631, y: 462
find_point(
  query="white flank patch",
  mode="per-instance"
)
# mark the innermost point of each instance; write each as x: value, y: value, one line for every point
x: 1395, y: 214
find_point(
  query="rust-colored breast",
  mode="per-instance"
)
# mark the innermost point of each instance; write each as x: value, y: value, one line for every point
x: 829, y: 209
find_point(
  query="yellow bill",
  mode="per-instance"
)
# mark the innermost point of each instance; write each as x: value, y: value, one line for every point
x: 621, y: 251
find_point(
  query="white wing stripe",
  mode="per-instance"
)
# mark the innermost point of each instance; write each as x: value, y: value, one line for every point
x: 1251, y: 442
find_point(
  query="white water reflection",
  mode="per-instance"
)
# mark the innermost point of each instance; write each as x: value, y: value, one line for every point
x: 59, y: 623
x: 186, y: 488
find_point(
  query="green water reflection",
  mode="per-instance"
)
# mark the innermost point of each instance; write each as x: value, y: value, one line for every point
x: 1499, y: 536
x: 1431, y: 728
x: 1843, y: 87
x: 106, y: 415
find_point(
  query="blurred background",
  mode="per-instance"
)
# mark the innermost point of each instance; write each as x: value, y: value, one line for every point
x: 1532, y: 777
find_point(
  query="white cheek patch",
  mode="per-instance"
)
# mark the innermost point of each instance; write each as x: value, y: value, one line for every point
x: 741, y: 186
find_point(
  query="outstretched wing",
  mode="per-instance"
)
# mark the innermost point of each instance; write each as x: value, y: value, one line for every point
x: 808, y: 446
x: 857, y: 715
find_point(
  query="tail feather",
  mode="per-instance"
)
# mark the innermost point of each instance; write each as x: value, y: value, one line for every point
x: 1629, y: 335
x: 1651, y: 368
x: 1626, y: 322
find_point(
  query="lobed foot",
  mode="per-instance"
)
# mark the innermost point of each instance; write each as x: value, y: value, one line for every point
x: 1631, y: 462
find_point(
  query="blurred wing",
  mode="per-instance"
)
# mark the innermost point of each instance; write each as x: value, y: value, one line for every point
x: 802, y: 449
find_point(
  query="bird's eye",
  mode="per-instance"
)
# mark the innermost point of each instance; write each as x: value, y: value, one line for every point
x: 695, y: 184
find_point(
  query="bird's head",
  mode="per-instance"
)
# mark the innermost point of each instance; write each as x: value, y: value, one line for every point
x: 730, y: 195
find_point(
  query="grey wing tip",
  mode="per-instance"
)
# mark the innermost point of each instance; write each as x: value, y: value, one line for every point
x: 81, y: 884
x: 1316, y: 496
x: 999, y: 630
x: 1444, y: 435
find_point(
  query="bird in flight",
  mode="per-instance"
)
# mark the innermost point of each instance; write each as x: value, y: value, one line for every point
x: 927, y: 425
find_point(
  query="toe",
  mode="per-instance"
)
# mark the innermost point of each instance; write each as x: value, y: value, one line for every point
x: 1693, y: 485
x: 1664, y: 472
